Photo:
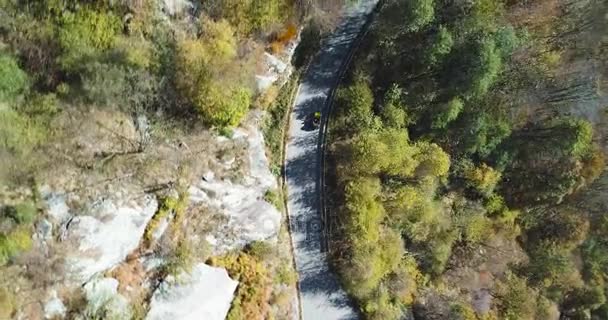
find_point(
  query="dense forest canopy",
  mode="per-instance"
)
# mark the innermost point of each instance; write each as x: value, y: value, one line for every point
x: 466, y: 136
x: 467, y: 144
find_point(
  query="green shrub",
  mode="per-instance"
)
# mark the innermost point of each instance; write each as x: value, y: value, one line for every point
x: 495, y: 203
x: 19, y: 134
x: 248, y: 16
x: 285, y: 274
x: 182, y: 258
x: 219, y: 40
x: 274, y: 198
x: 275, y: 122
x: 41, y: 107
x: 136, y: 52
x: 108, y: 84
x: 261, y: 250
x: 461, y: 311
x: 435, y: 253
x: 13, y: 243
x: 515, y: 299
x: 168, y: 206
x: 222, y: 106
x: 381, y: 306
x: 7, y: 304
x: 22, y: 213
x: 86, y: 33
x: 13, y: 80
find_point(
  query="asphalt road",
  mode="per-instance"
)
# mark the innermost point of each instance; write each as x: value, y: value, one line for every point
x: 321, y: 296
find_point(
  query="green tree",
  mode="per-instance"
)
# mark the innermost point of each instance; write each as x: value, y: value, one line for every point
x: 390, y: 152
x: 447, y: 113
x: 563, y: 227
x: 393, y: 113
x: 480, y: 132
x: 515, y: 299
x: 418, y: 14
x: 582, y: 300
x: 486, y: 67
x: 551, y: 269
x: 432, y: 160
x: 13, y: 80
x: 485, y: 16
x: 441, y: 46
x: 355, y: 103
x: 203, y: 75
x: 547, y: 160
x: 482, y: 178
x: 365, y: 269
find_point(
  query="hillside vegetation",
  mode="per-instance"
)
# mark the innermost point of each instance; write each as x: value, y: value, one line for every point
x: 101, y: 98
x: 464, y: 140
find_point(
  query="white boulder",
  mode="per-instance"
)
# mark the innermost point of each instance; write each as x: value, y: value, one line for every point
x: 205, y: 293
x: 172, y: 7
x: 54, y: 307
x: 56, y: 203
x: 106, y: 236
x: 103, y: 298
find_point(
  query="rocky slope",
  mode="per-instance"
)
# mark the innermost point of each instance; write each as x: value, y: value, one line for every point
x: 132, y: 209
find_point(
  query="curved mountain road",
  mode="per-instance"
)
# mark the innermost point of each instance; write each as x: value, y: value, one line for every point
x: 321, y: 296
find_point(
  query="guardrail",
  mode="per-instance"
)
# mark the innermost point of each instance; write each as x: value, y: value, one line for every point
x: 328, y: 108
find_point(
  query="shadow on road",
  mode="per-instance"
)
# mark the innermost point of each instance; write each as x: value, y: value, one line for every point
x: 322, y: 297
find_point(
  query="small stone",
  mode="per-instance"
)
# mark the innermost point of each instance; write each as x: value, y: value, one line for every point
x: 54, y: 308
x: 44, y: 229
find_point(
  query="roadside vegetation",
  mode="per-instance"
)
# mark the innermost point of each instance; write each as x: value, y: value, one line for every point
x: 462, y: 124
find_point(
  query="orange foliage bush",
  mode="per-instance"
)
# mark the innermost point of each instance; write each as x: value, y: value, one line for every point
x: 281, y: 39
x: 253, y: 293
